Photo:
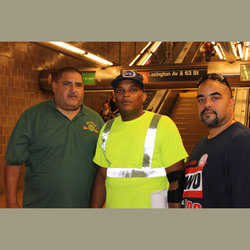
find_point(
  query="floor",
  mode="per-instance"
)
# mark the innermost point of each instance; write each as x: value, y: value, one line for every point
x: 19, y: 198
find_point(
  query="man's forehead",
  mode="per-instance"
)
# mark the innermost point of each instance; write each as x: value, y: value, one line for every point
x: 212, y: 86
x: 199, y: 95
x: 68, y: 76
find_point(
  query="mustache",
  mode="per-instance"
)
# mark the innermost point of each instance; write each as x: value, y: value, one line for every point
x: 208, y: 109
x: 72, y: 95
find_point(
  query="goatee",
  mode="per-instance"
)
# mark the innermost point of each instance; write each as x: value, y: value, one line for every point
x: 209, y: 123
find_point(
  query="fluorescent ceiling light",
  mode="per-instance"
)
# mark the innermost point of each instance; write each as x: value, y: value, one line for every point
x: 155, y: 46
x: 140, y: 53
x: 145, y: 59
x: 146, y: 47
x: 222, y: 50
x: 82, y: 52
x: 234, y: 50
x: 149, y: 53
x: 134, y: 60
x: 218, y: 52
x: 69, y: 47
x: 247, y: 48
x: 246, y: 56
x: 240, y: 50
x: 98, y: 59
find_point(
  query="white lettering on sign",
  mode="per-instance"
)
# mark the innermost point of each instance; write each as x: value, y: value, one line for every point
x: 195, y: 72
x: 160, y: 74
x: 174, y: 73
x: 188, y: 72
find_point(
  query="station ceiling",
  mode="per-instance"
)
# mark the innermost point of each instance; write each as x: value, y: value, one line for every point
x: 175, y: 55
x: 168, y: 53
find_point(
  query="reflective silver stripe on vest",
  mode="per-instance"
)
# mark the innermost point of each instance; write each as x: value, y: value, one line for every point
x: 136, y: 172
x: 150, y: 142
x: 105, y: 136
x: 146, y: 170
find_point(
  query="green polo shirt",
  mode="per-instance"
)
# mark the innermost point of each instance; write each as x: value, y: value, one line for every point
x: 58, y: 155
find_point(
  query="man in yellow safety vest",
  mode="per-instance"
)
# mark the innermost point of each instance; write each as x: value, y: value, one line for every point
x: 140, y: 154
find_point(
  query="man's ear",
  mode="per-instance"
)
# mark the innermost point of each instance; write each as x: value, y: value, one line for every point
x: 53, y: 85
x: 232, y: 102
x: 144, y: 96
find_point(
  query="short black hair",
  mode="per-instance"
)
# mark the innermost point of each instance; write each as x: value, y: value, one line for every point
x: 216, y: 77
x: 60, y: 72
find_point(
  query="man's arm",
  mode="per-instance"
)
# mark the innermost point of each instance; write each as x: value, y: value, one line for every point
x: 238, y: 169
x: 179, y: 166
x: 98, y: 196
x: 12, y: 174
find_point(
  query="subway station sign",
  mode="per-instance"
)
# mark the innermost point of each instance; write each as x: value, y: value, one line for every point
x: 88, y: 77
x: 173, y: 75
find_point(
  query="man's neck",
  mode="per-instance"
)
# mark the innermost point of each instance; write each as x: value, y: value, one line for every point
x: 70, y: 114
x: 130, y: 117
x: 213, y: 132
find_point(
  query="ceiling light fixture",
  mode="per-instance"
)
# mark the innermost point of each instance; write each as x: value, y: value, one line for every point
x: 132, y: 63
x: 240, y: 49
x: 247, y: 48
x: 234, y: 49
x: 143, y: 62
x: 222, y: 50
x: 149, y: 53
x: 155, y: 46
x: 82, y: 52
x: 217, y: 50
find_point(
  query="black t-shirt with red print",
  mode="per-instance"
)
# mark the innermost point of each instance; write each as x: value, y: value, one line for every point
x: 218, y: 172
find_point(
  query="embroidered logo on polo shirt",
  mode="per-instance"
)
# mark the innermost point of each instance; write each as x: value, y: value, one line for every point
x: 91, y: 127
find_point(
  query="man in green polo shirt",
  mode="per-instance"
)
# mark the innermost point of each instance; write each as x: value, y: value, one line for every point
x: 56, y: 140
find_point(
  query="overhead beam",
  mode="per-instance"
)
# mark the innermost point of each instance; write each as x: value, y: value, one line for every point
x: 183, y: 52
x: 228, y: 51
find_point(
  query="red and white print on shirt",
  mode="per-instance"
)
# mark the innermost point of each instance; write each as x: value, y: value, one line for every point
x: 193, y: 182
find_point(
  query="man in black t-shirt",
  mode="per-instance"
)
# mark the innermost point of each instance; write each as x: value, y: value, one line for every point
x: 218, y: 172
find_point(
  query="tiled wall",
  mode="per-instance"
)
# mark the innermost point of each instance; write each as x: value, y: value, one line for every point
x: 18, y: 89
x: 19, y: 67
